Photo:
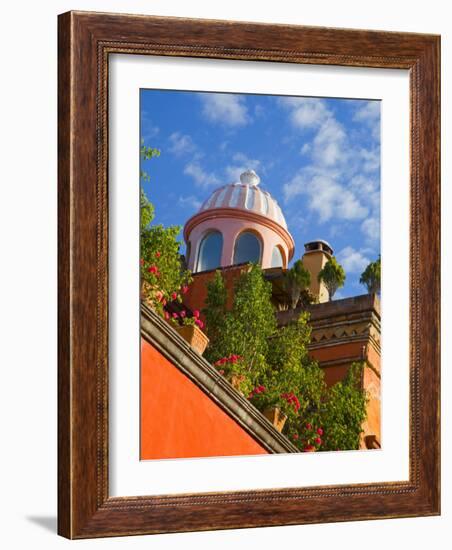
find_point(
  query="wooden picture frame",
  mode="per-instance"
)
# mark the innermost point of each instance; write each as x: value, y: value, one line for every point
x: 86, y: 40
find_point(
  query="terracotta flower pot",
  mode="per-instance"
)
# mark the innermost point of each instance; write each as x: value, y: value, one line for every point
x: 194, y: 336
x: 236, y: 380
x: 276, y: 417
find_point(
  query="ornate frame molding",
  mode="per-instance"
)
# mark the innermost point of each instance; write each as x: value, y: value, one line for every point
x: 86, y: 40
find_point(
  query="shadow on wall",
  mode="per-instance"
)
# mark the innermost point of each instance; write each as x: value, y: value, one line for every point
x: 49, y: 523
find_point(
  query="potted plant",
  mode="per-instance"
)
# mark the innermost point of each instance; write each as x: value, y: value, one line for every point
x: 190, y: 328
x: 233, y: 368
x: 307, y: 436
x: 275, y: 406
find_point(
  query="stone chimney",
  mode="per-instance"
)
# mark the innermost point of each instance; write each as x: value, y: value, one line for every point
x: 316, y: 254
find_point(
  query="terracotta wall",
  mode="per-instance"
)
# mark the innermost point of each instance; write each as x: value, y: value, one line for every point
x: 197, y: 293
x: 178, y: 420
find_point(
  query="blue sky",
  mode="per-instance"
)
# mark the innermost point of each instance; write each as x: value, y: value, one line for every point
x: 319, y: 157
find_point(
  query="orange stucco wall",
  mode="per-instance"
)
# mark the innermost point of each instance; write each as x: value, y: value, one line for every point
x: 344, y: 355
x: 178, y: 420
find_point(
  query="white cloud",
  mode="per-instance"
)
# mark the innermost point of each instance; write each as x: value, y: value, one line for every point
x: 191, y: 202
x: 329, y: 143
x: 368, y: 111
x: 341, y: 179
x: 353, y: 261
x: 228, y: 109
x: 370, y: 159
x: 181, y: 144
x: 148, y: 129
x: 305, y: 112
x: 328, y: 146
x: 327, y: 197
x: 305, y: 149
x: 201, y: 177
x: 371, y: 229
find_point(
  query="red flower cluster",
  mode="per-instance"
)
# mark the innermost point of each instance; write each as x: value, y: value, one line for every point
x: 313, y: 437
x: 231, y: 359
x: 257, y: 390
x: 292, y: 399
x: 154, y: 270
x: 184, y: 289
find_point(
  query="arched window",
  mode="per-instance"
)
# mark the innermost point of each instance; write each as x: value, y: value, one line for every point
x: 209, y: 256
x: 247, y: 249
x: 277, y: 257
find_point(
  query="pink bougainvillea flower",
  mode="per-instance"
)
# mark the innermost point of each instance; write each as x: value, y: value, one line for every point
x: 164, y: 302
x: 221, y: 371
x: 295, y: 436
x: 158, y: 254
x: 308, y: 426
x: 184, y: 289
x: 173, y: 296
x: 175, y: 315
x: 152, y: 269
x: 183, y: 313
x: 309, y: 449
x: 159, y: 295
x: 196, y: 313
x: 199, y: 323
x: 167, y: 315
x: 318, y: 440
x: 320, y: 431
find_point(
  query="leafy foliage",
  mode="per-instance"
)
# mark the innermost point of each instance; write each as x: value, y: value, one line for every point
x: 163, y: 278
x: 274, y: 369
x: 296, y: 280
x: 147, y: 153
x: 344, y: 411
x: 332, y: 275
x: 245, y: 329
x: 371, y: 276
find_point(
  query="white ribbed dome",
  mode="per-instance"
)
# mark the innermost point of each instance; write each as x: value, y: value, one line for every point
x: 246, y: 196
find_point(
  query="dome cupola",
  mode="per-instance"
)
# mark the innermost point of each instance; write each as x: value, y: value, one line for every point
x: 238, y: 223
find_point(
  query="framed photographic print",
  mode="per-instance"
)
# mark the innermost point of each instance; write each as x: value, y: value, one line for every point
x: 248, y: 275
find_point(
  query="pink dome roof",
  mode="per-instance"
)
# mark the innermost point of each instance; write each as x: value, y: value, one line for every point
x: 246, y: 195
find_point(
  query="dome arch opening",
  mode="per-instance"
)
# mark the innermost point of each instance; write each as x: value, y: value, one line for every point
x: 248, y: 247
x: 210, y: 250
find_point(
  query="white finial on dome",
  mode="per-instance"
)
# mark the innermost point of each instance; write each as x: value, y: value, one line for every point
x: 250, y: 177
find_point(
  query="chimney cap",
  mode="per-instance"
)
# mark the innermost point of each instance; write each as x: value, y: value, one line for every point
x: 318, y: 244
